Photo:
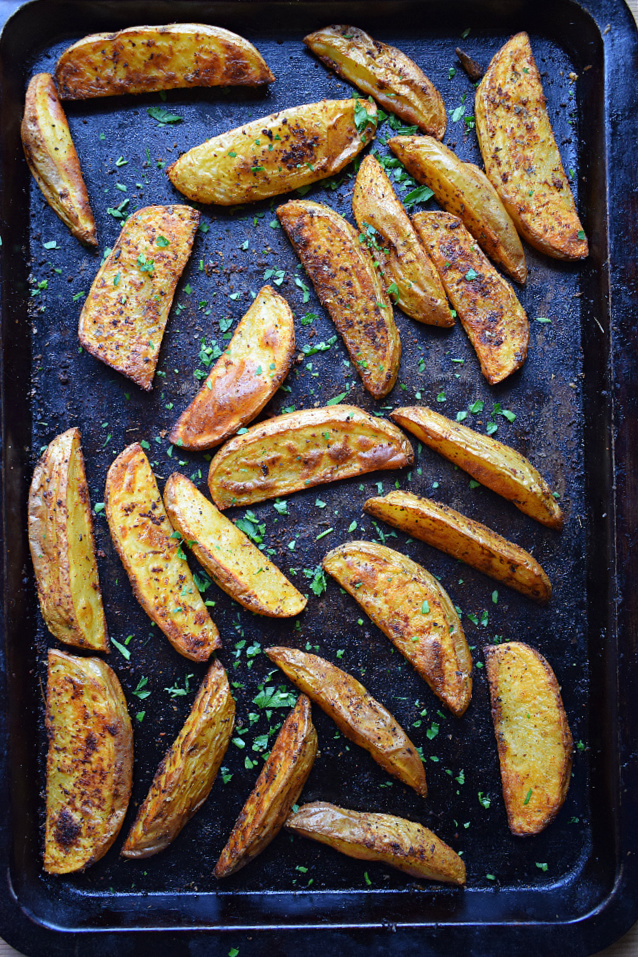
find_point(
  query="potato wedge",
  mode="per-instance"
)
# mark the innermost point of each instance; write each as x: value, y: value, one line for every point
x: 278, y: 787
x: 409, y: 606
x: 465, y: 539
x: 384, y: 72
x: 532, y: 734
x: 487, y: 306
x: 89, y: 764
x: 276, y: 153
x: 245, y: 377
x: 403, y: 844
x: 301, y: 449
x: 63, y: 548
x: 349, y: 288
x: 520, y: 154
x: 464, y: 189
x: 490, y: 462
x: 395, y: 247
x: 147, y: 546
x: 355, y: 712
x: 125, y: 313
x: 188, y: 770
x: 228, y: 555
x: 149, y: 58
x: 52, y: 158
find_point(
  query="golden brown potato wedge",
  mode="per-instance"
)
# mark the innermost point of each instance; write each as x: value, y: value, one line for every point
x: 301, y: 449
x: 465, y: 539
x: 150, y: 552
x: 125, y: 313
x: 348, y: 286
x: 409, y: 606
x: 464, y: 189
x: 89, y: 764
x: 520, y: 153
x: 245, y: 377
x: 187, y: 772
x: 395, y: 247
x: 53, y: 160
x: 395, y: 841
x: 493, y: 464
x: 532, y: 734
x: 384, y: 72
x: 278, y: 787
x: 353, y: 709
x: 149, y: 58
x: 276, y: 153
x: 229, y: 557
x: 63, y: 548
x: 487, y: 306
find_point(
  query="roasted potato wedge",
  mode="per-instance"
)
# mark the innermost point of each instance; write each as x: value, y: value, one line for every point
x: 403, y: 844
x: 520, y: 153
x: 187, y: 772
x: 229, y: 557
x: 53, y: 160
x: 487, y: 306
x: 278, y: 787
x: 465, y: 539
x: 409, y: 606
x: 384, y: 72
x: 245, y: 377
x: 464, y: 189
x: 89, y: 764
x: 493, y: 464
x: 301, y: 449
x: 147, y: 546
x: 125, y: 313
x: 353, y: 709
x: 63, y: 548
x: 149, y: 58
x: 348, y: 286
x: 395, y: 247
x: 276, y: 153
x: 532, y: 734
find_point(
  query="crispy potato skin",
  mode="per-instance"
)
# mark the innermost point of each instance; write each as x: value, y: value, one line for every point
x: 52, y: 158
x: 63, y: 548
x: 396, y: 248
x: 228, y: 555
x: 490, y: 462
x: 309, y: 142
x: 532, y: 734
x: 143, y: 537
x: 148, y: 58
x: 409, y: 847
x: 487, y: 306
x: 520, y: 154
x: 380, y: 70
x: 244, y: 379
x: 463, y: 189
x: 301, y: 449
x: 406, y: 602
x: 278, y: 787
x: 188, y: 770
x: 348, y: 286
x: 89, y: 764
x: 353, y: 709
x: 465, y: 539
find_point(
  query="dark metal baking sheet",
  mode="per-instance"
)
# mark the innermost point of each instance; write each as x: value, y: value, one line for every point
x: 574, y: 403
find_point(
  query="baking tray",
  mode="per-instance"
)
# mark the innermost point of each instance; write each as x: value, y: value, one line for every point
x: 575, y: 407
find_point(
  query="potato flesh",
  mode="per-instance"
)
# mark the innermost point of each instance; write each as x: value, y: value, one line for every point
x: 245, y: 377
x: 301, y: 449
x: 349, y: 288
